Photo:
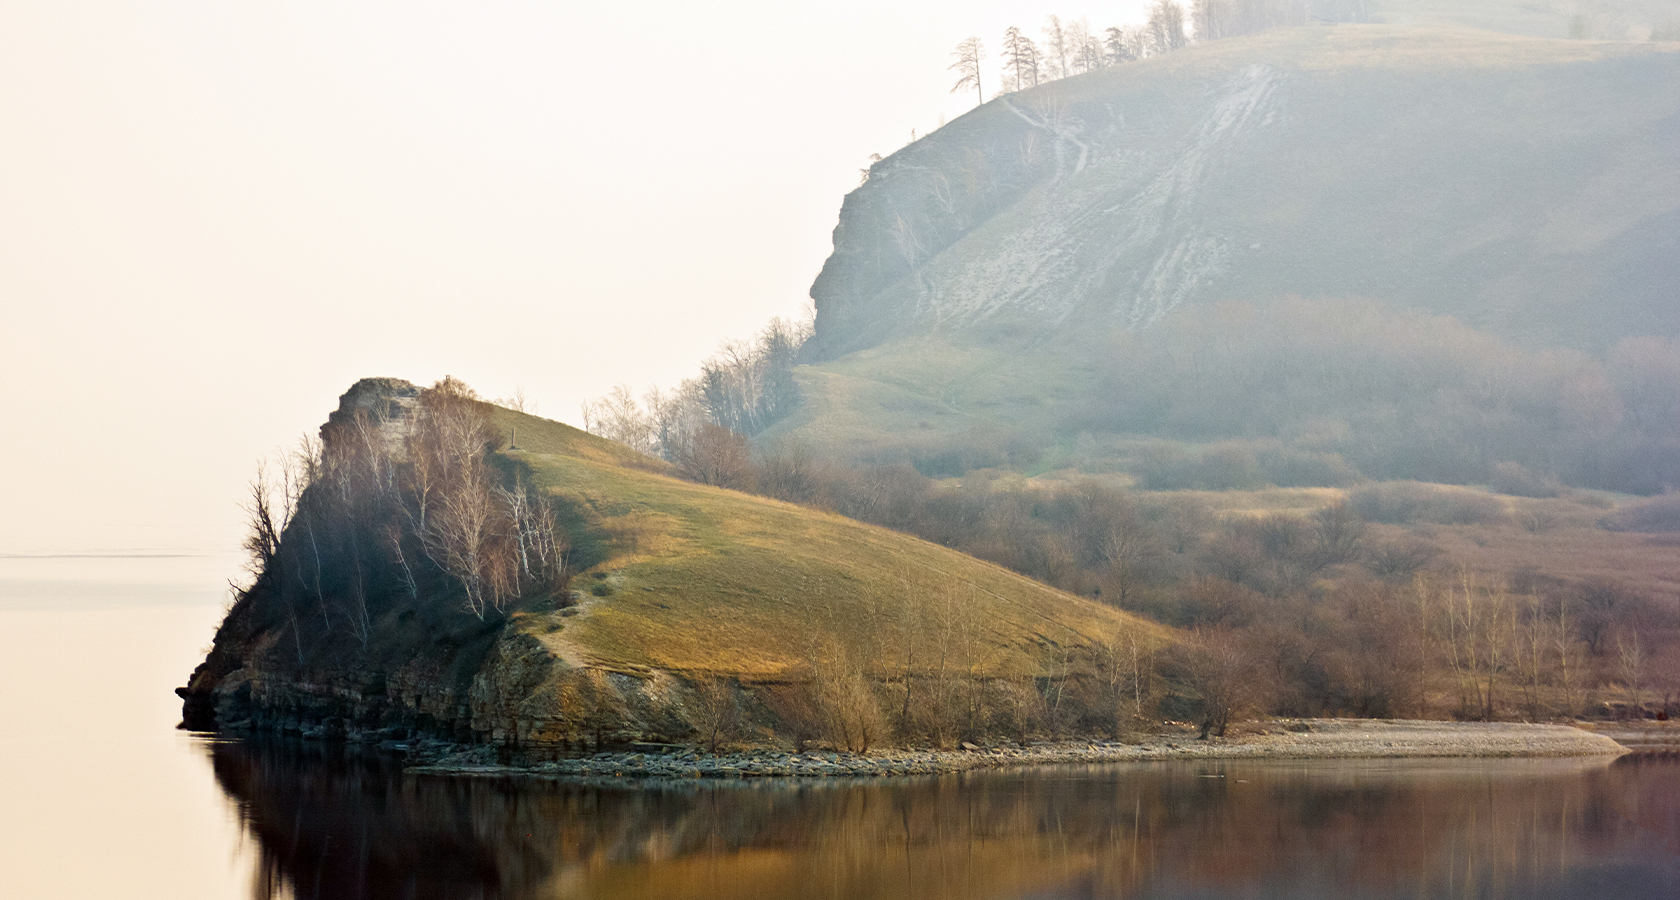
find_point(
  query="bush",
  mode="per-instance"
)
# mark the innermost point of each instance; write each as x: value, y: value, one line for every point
x: 1291, y: 467
x: 1518, y: 480
x: 1229, y: 466
x: 1400, y: 560
x: 1658, y: 514
x: 1412, y: 502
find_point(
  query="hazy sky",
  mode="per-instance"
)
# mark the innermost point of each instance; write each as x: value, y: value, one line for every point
x: 215, y: 216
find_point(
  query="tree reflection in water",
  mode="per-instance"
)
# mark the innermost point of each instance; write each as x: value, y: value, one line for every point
x: 330, y: 825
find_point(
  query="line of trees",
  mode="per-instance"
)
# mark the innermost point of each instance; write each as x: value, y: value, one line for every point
x: 1351, y: 390
x: 1073, y: 47
x: 702, y: 426
x: 398, y: 506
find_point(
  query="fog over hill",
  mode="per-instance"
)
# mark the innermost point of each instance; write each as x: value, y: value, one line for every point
x: 1530, y: 187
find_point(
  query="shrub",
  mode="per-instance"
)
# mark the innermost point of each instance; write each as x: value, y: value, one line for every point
x: 1400, y: 560
x: 1229, y: 466
x: 1658, y: 514
x: 1291, y: 467
x: 1518, y: 480
x: 1411, y: 502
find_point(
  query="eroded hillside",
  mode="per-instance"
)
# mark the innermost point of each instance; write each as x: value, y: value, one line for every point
x: 1528, y: 186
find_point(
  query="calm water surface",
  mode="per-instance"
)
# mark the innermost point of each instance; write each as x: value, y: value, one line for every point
x: 101, y: 797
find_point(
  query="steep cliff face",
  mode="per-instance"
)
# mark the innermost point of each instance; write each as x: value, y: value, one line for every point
x: 1524, y: 185
x: 310, y: 649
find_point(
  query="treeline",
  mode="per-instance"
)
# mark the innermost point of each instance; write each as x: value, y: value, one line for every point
x: 1292, y: 615
x: 1074, y: 47
x: 702, y: 425
x: 1320, y: 392
x: 398, y: 508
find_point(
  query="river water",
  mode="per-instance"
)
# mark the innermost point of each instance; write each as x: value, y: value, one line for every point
x: 102, y: 797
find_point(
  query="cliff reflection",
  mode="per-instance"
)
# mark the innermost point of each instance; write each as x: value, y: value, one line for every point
x: 328, y: 826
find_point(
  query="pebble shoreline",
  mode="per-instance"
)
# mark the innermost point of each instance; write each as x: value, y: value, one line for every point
x: 1293, y: 739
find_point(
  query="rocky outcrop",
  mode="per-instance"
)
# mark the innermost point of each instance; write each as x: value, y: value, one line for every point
x: 385, y: 405
x: 293, y: 657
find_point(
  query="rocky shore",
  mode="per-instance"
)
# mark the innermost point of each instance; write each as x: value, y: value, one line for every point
x: 1287, y: 739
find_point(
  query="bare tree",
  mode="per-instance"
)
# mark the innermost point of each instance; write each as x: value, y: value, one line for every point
x: 716, y: 711
x: 849, y: 709
x: 1126, y: 44
x: 716, y: 456
x: 1568, y: 657
x: 1130, y: 548
x: 1476, y: 629
x: 1225, y: 672
x: 268, y: 509
x: 1126, y: 663
x: 1021, y: 60
x: 1055, y: 48
x: 968, y: 54
x: 1630, y: 665
x: 1084, y: 50
x: 466, y: 531
x: 1166, y: 27
x: 617, y: 417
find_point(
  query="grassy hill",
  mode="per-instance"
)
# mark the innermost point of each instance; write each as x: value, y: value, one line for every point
x: 678, y: 609
x: 690, y: 579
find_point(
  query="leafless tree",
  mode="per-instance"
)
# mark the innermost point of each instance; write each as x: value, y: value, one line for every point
x: 1475, y: 625
x: 716, y: 456
x: 1127, y: 665
x: 1224, y: 670
x: 1630, y: 665
x: 1084, y: 50
x: 617, y: 417
x: 1126, y: 44
x: 268, y: 509
x: 715, y: 711
x: 1021, y: 60
x: 968, y: 54
x: 1056, y: 48
x: 1166, y: 27
x: 850, y: 711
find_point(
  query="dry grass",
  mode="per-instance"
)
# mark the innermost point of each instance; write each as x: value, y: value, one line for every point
x: 692, y: 579
x: 1570, y: 553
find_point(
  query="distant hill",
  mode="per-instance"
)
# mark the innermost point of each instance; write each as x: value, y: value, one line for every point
x: 1529, y: 187
x: 1390, y: 245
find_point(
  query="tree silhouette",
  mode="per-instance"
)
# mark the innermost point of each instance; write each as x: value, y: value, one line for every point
x: 1055, y: 47
x: 1021, y: 59
x: 968, y: 54
x: 1166, y: 26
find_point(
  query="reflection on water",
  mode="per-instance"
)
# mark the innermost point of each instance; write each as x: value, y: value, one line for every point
x: 330, y: 826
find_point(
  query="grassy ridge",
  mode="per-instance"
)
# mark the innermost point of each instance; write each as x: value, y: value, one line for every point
x: 697, y: 580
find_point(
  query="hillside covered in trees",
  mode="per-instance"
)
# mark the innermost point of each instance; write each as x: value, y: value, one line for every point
x: 1350, y: 345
